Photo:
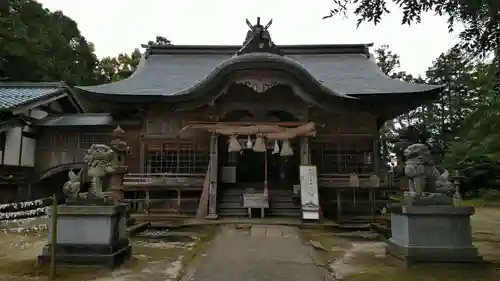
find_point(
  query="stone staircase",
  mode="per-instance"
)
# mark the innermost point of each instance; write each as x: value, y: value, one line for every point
x: 281, y: 202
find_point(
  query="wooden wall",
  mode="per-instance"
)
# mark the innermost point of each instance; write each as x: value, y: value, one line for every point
x: 353, y: 132
x: 347, y: 143
x: 163, y: 149
x: 64, y: 145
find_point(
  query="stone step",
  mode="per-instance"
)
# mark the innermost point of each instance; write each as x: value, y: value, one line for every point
x: 225, y: 205
x: 283, y: 214
x: 232, y: 213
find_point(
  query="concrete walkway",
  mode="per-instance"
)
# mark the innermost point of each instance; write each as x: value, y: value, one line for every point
x: 259, y: 253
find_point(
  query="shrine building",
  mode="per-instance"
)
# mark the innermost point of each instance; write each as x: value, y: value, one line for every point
x: 210, y: 123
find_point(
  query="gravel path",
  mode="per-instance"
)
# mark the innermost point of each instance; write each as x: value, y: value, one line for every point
x: 258, y: 253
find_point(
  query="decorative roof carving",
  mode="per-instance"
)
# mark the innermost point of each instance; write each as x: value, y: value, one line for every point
x: 258, y: 39
x: 259, y: 85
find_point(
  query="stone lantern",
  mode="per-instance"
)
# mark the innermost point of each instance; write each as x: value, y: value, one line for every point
x: 122, y: 150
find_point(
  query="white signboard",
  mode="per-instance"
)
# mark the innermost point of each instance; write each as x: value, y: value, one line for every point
x: 309, y: 192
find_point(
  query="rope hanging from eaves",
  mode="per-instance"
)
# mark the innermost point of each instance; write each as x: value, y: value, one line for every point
x: 270, y: 132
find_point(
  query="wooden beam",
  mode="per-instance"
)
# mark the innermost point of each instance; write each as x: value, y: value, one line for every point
x: 249, y: 123
x: 30, y: 135
x: 31, y: 105
x: 326, y: 136
x: 49, y: 110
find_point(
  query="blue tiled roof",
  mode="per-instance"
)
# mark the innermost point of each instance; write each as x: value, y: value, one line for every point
x: 83, y: 119
x: 16, y: 94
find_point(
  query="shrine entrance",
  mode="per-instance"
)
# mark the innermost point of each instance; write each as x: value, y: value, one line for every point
x: 249, y: 167
x: 257, y: 164
x: 252, y: 167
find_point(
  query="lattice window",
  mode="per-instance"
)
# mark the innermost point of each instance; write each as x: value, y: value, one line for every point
x: 343, y: 156
x: 54, y: 140
x: 87, y: 140
x: 186, y: 157
x: 156, y: 162
x: 182, y: 157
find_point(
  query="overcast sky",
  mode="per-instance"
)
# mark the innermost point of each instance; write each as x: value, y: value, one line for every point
x: 116, y: 26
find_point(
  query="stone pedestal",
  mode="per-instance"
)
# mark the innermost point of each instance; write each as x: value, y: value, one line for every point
x: 432, y: 234
x: 90, y: 235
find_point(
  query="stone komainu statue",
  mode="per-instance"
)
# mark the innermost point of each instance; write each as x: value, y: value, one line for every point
x: 72, y: 187
x: 100, y: 161
x: 422, y: 173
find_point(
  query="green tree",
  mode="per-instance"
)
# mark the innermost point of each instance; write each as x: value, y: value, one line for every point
x: 160, y: 41
x: 117, y: 68
x: 481, y: 18
x: 389, y: 63
x: 476, y: 149
x: 39, y: 45
x: 437, y: 123
x: 111, y: 69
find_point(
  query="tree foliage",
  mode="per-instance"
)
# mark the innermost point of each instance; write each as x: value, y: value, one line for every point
x: 39, y: 45
x: 476, y: 151
x: 117, y: 68
x: 462, y: 126
x: 160, y: 41
x: 481, y: 18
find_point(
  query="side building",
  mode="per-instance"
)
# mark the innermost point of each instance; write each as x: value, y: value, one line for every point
x: 22, y: 106
x: 184, y: 106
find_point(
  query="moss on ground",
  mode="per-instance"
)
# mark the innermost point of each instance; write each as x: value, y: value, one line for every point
x: 366, y: 263
x: 27, y: 269
x: 482, y: 203
x: 146, y: 252
x: 382, y: 270
x: 206, y: 234
x: 334, y: 248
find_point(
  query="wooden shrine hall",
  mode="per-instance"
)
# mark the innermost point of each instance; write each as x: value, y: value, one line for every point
x: 258, y: 129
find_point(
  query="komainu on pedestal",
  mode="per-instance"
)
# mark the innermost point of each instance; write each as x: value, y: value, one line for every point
x: 430, y: 225
x: 91, y: 227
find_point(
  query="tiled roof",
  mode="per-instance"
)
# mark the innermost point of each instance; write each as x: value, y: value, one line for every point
x: 84, y: 119
x: 16, y: 94
x: 348, y: 71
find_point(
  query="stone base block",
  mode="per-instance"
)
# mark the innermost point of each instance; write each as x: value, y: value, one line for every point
x: 411, y: 255
x: 109, y: 256
x: 212, y: 217
x: 89, y: 235
x: 422, y: 234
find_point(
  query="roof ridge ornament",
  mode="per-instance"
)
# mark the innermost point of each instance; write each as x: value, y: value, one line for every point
x: 258, y: 39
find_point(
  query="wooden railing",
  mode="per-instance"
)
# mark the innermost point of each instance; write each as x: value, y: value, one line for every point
x: 142, y: 185
x: 365, y: 198
x: 162, y: 178
x: 365, y: 181
x: 205, y: 197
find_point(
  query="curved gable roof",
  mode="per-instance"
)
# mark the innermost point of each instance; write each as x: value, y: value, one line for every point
x: 180, y: 72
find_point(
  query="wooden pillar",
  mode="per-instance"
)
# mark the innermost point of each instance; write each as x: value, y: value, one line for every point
x: 20, y: 160
x: 213, y: 170
x: 305, y: 154
x: 142, y: 157
x: 376, y: 156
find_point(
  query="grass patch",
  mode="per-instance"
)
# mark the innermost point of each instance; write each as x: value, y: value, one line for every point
x: 378, y: 271
x: 206, y: 234
x: 28, y: 269
x: 152, y: 255
x: 367, y: 264
x: 334, y: 245
x: 482, y: 203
